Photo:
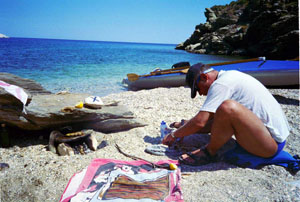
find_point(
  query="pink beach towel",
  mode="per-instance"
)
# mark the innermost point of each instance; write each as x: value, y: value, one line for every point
x: 115, y: 180
x: 16, y: 91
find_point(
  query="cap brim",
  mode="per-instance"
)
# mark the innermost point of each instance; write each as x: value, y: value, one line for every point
x: 193, y: 90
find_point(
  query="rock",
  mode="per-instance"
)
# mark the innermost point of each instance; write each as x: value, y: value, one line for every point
x: 92, y: 142
x: 45, y: 112
x: 72, y: 137
x: 193, y: 47
x: 3, y: 166
x: 248, y: 28
x: 64, y: 149
x: 63, y: 92
x: 222, y: 22
x: 61, y: 143
x: 3, y: 36
x: 30, y: 86
x: 103, y: 144
x: 210, y: 15
x: 48, y: 111
x: 10, y: 108
x: 204, y: 28
x: 180, y: 46
x: 239, y: 52
x: 52, y: 141
x: 284, y: 24
x: 69, y: 144
x: 258, y: 29
x: 200, y: 51
x: 8, y: 101
x: 114, y: 125
x: 285, y: 46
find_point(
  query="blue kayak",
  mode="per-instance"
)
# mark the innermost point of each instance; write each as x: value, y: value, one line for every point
x: 271, y: 73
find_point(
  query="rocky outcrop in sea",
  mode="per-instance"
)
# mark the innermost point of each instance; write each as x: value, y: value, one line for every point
x: 3, y: 36
x: 248, y: 28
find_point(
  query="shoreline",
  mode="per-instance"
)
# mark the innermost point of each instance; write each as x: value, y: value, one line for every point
x: 36, y: 174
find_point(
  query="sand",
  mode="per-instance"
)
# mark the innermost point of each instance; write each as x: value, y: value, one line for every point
x: 35, y: 174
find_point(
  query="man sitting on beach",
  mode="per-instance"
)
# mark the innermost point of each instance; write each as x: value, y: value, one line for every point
x: 236, y: 104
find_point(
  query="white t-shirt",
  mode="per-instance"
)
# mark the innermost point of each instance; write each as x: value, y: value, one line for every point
x: 249, y: 92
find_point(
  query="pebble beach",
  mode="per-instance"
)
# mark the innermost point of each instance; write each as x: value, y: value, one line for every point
x: 36, y: 174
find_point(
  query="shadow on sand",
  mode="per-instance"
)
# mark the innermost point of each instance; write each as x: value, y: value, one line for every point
x: 21, y: 138
x: 287, y: 101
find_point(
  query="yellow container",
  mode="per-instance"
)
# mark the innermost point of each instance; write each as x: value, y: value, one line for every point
x: 79, y: 105
x: 173, y: 166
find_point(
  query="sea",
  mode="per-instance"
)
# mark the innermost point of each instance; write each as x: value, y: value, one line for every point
x: 93, y: 67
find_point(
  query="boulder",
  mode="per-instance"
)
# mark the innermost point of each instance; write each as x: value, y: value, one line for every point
x: 30, y: 87
x: 48, y: 111
x: 10, y: 107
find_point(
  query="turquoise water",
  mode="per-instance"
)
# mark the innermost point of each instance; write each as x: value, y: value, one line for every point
x: 88, y: 66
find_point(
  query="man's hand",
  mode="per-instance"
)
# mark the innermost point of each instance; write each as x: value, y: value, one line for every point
x: 177, y: 124
x: 168, y: 140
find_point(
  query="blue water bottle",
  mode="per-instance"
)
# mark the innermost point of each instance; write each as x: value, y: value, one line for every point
x: 163, y: 128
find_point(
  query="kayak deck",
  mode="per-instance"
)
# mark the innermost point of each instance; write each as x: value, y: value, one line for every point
x: 269, y: 72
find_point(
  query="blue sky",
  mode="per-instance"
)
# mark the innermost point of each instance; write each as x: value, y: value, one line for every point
x: 149, y: 21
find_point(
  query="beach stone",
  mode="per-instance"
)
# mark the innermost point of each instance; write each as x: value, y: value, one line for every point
x: 92, y: 142
x: 64, y: 149
x: 63, y: 144
x: 3, y: 166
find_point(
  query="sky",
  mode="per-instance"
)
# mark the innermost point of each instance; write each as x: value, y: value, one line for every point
x: 148, y: 21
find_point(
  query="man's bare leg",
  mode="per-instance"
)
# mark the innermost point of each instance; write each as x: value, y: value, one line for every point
x: 232, y: 118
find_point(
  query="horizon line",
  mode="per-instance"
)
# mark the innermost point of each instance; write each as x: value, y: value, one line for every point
x: 95, y: 40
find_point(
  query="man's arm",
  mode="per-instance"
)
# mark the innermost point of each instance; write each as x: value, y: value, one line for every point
x: 199, y: 123
x: 208, y: 125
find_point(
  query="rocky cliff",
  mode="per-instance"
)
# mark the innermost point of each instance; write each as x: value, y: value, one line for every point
x: 249, y: 28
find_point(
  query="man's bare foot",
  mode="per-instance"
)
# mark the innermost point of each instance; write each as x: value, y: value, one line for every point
x: 197, y: 157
